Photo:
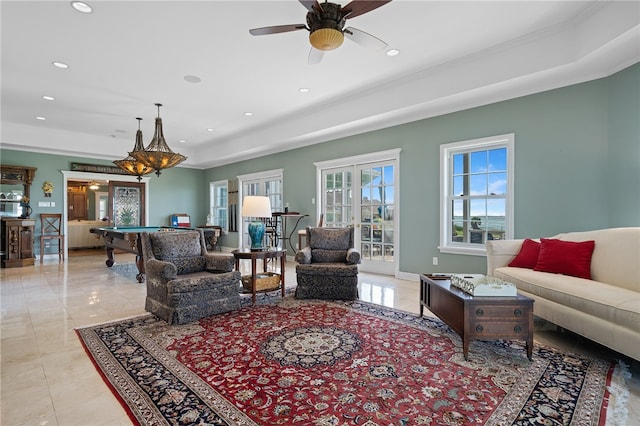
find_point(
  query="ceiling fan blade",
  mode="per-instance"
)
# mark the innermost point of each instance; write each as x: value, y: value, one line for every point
x: 308, y: 4
x: 359, y: 7
x: 364, y: 39
x: 315, y: 56
x: 277, y: 29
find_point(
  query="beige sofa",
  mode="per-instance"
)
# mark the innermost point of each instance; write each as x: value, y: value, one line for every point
x: 605, y: 309
x: 79, y: 236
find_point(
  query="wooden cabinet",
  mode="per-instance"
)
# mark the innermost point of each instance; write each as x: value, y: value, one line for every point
x: 77, y: 201
x: 17, y: 242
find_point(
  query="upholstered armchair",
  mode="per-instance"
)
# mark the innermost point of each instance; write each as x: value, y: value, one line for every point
x: 328, y: 266
x: 184, y: 282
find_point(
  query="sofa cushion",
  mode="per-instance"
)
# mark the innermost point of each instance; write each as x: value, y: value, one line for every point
x: 527, y: 257
x: 565, y: 257
x: 328, y: 256
x: 611, y: 303
x: 615, y: 257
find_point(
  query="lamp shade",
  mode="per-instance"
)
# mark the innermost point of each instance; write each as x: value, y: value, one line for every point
x: 256, y: 206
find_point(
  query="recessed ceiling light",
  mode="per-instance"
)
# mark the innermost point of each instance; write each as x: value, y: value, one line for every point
x: 48, y: 98
x: 40, y: 118
x: 209, y: 129
x: 248, y: 114
x: 392, y: 52
x: 182, y: 141
x: 304, y: 90
x: 60, y: 65
x: 81, y: 7
x: 192, y: 79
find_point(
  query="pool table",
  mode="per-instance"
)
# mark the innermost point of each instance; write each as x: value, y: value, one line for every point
x: 128, y: 239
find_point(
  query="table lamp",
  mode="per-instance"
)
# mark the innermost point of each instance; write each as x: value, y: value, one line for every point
x: 256, y: 206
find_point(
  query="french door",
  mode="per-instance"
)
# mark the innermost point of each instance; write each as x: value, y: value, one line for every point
x: 375, y: 218
x: 364, y: 194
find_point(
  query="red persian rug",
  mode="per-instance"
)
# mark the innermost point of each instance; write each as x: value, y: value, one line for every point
x: 337, y: 363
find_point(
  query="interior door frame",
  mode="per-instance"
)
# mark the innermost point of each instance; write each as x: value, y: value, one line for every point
x: 392, y: 155
x: 88, y: 176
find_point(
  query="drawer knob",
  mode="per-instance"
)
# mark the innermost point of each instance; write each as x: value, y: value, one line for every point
x: 479, y: 312
x: 479, y: 328
x: 517, y: 329
x: 517, y: 312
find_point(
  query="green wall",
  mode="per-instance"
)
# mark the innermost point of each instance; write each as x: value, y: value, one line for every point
x: 567, y: 155
x: 177, y: 190
x: 577, y: 153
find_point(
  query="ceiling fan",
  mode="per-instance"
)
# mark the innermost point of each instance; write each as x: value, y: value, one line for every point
x: 325, y: 23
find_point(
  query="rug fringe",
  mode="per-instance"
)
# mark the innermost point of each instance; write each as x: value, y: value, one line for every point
x: 618, y: 412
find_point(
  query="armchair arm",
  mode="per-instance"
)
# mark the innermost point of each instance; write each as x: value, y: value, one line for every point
x: 158, y: 268
x: 353, y: 256
x: 304, y: 255
x: 220, y: 261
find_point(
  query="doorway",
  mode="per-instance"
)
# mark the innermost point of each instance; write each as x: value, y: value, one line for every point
x: 73, y: 176
x: 363, y: 192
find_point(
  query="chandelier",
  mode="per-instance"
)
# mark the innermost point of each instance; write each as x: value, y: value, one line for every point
x: 158, y: 155
x: 130, y: 164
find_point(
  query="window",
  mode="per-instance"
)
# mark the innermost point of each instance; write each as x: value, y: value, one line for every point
x: 476, y: 193
x: 219, y: 204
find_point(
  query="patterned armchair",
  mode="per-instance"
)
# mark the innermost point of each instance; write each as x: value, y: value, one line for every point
x: 184, y: 282
x: 328, y: 266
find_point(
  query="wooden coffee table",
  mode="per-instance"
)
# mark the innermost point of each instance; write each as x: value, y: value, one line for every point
x: 473, y: 317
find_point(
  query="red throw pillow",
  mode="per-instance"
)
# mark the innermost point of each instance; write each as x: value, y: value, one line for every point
x: 527, y: 257
x: 565, y: 257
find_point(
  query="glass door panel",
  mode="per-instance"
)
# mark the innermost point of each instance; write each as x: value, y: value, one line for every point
x: 376, y: 219
x: 127, y: 203
x: 337, y: 197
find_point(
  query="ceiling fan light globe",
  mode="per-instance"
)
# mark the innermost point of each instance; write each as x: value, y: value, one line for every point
x: 326, y: 38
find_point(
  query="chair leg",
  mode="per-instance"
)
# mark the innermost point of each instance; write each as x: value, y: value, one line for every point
x: 41, y: 249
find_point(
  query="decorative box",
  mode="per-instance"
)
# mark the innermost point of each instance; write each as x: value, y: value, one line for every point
x: 264, y: 281
x: 481, y: 285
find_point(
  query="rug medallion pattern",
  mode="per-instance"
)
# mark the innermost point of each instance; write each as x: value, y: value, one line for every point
x: 337, y: 363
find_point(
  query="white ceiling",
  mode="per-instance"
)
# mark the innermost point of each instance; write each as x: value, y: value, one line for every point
x: 128, y: 55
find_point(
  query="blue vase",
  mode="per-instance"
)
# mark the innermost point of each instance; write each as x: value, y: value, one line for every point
x: 256, y: 233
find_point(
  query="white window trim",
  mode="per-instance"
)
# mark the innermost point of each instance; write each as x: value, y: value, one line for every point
x: 446, y: 152
x: 212, y: 197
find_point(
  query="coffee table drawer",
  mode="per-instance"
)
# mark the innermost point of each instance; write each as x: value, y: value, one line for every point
x: 506, y: 329
x: 503, y: 311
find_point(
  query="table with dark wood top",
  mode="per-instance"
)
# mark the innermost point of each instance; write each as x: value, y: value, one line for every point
x: 477, y: 317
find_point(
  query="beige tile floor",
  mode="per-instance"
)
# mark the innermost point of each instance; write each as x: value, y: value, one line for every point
x: 47, y: 379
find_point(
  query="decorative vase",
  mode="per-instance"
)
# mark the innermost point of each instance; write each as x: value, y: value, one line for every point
x: 256, y: 233
x: 26, y: 211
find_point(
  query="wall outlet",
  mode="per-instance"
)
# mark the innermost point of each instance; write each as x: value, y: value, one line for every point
x: 435, y: 260
x: 53, y: 204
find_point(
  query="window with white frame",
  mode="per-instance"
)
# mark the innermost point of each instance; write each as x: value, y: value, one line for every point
x: 476, y: 193
x: 219, y: 196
